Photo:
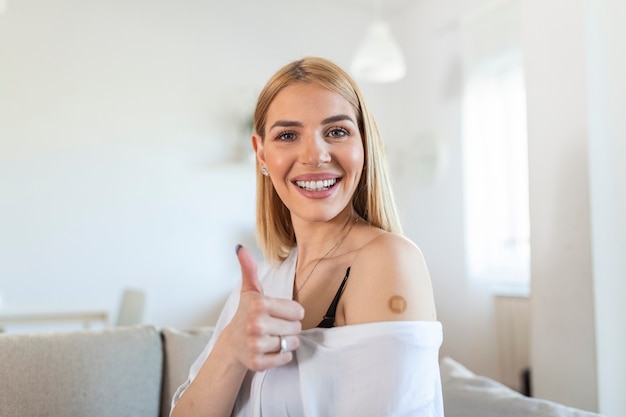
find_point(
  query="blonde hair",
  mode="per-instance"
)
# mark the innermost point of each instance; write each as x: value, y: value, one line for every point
x: 373, y: 198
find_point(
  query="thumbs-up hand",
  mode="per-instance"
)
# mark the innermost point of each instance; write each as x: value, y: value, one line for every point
x: 264, y: 330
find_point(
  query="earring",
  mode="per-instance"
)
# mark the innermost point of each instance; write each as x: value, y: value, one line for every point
x: 264, y: 171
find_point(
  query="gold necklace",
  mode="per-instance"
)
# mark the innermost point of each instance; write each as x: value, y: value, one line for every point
x: 335, y: 246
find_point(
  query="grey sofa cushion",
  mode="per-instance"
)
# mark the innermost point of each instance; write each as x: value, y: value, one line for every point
x: 181, y: 350
x: 112, y: 372
x: 466, y: 394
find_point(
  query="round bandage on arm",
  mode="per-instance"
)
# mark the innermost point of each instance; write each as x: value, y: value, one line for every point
x: 397, y: 304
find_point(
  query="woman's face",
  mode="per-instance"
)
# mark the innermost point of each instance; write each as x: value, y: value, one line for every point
x: 312, y: 150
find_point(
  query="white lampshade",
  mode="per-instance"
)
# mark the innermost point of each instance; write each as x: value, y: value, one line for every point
x: 379, y: 58
x: 3, y: 6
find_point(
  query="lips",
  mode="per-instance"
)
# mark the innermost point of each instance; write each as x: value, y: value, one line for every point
x: 318, y: 185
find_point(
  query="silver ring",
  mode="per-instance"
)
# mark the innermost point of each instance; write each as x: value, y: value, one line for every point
x: 283, y: 344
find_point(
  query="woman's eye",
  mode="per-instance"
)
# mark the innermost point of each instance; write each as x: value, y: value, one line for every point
x: 337, y: 132
x: 286, y: 136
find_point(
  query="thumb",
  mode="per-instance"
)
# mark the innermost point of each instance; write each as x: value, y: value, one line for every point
x: 249, y: 278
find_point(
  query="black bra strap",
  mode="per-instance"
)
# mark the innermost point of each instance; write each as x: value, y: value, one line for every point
x: 329, y: 317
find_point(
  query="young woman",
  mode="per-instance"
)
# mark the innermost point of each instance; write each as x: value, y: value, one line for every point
x: 344, y: 322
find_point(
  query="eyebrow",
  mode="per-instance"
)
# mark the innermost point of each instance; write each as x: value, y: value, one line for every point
x: 285, y: 123
x: 293, y: 123
x: 337, y: 118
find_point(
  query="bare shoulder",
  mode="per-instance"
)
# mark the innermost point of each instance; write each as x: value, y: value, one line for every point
x: 389, y: 281
x: 394, y: 258
x: 391, y: 245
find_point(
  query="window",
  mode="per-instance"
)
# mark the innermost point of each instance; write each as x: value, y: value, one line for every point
x: 495, y: 157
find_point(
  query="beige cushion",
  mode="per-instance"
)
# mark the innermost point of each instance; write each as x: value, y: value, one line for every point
x: 181, y: 350
x: 112, y: 372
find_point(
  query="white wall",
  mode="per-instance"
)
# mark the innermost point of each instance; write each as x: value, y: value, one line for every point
x: 117, y: 125
x: 606, y: 66
x: 562, y: 319
x: 575, y: 65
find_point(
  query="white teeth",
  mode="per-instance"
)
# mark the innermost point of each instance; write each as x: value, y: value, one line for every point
x: 316, y: 185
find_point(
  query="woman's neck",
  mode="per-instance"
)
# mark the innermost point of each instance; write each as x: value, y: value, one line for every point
x: 324, y: 239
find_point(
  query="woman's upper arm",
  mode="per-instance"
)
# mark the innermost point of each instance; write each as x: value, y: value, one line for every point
x: 389, y: 281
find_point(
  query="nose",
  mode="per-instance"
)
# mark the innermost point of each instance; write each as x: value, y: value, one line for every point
x: 314, y: 151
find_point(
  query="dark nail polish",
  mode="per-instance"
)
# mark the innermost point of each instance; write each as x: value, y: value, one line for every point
x: 237, y: 249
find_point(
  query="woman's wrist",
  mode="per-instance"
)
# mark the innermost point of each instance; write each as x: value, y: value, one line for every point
x: 225, y: 348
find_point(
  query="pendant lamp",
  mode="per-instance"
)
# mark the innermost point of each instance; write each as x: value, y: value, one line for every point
x: 379, y: 58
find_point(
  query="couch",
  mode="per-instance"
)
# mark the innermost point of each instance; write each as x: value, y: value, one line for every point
x: 134, y: 371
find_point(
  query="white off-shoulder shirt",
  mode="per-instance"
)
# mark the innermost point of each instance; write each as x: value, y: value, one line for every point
x: 373, y: 369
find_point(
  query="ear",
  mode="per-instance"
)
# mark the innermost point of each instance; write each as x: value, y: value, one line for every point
x: 257, y: 145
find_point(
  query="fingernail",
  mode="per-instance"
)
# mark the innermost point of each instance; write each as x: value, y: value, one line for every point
x: 237, y: 249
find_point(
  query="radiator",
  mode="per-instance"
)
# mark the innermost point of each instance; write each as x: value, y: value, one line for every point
x: 511, y: 315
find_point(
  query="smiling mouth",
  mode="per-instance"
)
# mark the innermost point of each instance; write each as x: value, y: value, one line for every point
x: 320, y: 185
